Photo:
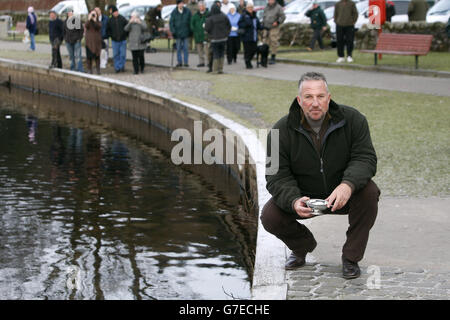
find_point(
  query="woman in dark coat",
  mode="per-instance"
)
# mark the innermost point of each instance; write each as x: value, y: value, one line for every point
x: 93, y: 38
x: 218, y: 27
x: 250, y: 25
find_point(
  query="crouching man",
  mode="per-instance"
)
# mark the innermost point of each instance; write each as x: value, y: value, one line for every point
x: 325, y: 152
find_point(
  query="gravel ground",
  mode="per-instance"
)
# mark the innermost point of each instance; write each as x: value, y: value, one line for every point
x: 161, y: 79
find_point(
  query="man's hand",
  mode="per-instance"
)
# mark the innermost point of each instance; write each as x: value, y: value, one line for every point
x: 339, y: 196
x: 302, y: 209
x: 275, y: 23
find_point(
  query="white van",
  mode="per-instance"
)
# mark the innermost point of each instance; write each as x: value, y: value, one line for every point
x: 78, y: 6
x: 121, y: 4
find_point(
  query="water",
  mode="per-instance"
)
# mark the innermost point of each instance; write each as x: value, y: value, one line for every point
x: 89, y: 214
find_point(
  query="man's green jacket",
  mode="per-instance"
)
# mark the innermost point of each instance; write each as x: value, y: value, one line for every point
x: 346, y: 154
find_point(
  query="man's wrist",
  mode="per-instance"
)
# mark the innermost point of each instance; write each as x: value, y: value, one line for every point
x: 293, y: 202
x: 351, y: 185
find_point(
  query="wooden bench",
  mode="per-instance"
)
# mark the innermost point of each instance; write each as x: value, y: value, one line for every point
x: 402, y: 44
x: 20, y: 29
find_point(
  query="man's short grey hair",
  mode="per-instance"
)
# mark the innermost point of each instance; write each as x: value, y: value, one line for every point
x: 201, y: 3
x: 308, y: 76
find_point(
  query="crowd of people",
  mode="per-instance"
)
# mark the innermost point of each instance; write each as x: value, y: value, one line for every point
x: 214, y: 33
x: 219, y: 32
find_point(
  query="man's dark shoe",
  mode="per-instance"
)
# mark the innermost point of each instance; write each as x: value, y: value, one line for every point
x: 350, y: 270
x: 179, y: 65
x: 200, y: 65
x: 295, y: 261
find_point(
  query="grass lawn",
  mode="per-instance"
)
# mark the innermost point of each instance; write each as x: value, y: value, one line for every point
x: 433, y: 60
x: 409, y: 131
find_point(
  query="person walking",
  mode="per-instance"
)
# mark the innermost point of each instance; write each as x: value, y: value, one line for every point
x: 273, y: 17
x: 325, y: 152
x: 218, y: 28
x: 318, y: 24
x: 32, y: 27
x: 234, y: 42
x: 249, y: 26
x: 116, y: 31
x: 197, y: 26
x: 417, y: 10
x: 180, y: 20
x: 93, y: 41
x: 73, y: 33
x: 135, y: 29
x: 56, y: 36
x: 345, y: 16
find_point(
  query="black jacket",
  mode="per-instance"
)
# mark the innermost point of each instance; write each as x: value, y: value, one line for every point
x: 247, y: 23
x: 318, y: 18
x: 72, y: 34
x: 346, y: 154
x: 116, y: 28
x: 55, y: 29
x: 217, y: 25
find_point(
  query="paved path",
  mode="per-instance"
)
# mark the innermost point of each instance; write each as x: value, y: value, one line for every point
x: 281, y: 71
x: 408, y: 250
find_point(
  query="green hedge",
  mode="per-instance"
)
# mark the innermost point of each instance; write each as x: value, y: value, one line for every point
x: 300, y: 34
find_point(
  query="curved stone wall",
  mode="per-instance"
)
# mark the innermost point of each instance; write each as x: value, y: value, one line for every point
x: 246, y: 181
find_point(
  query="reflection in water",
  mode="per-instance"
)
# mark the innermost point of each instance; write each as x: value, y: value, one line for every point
x: 84, y: 215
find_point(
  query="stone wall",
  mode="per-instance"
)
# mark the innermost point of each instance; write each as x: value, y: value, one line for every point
x: 300, y: 34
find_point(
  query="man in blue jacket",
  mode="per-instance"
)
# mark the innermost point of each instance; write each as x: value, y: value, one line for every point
x: 32, y: 27
x: 103, y: 18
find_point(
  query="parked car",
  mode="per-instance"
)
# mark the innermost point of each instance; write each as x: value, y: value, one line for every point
x: 295, y: 11
x: 166, y: 11
x: 121, y: 4
x: 401, y: 15
x: 78, y: 7
x: 126, y: 11
x: 440, y: 12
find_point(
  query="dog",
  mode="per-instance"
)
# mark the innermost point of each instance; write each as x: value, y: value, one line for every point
x: 262, y: 53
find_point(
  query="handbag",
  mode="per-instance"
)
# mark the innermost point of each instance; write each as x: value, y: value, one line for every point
x: 146, y: 37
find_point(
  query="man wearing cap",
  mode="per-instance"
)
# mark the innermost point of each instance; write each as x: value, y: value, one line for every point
x: 273, y: 17
x: 116, y: 30
x: 73, y: 33
x: 180, y: 20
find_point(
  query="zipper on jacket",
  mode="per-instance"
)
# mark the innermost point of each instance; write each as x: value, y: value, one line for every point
x: 320, y: 154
